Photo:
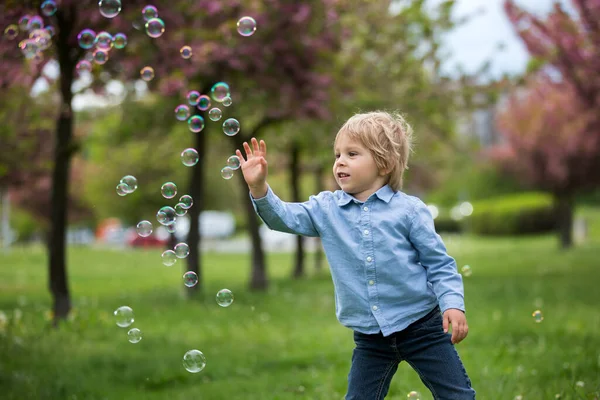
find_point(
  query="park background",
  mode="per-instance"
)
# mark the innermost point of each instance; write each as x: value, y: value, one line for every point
x: 503, y: 97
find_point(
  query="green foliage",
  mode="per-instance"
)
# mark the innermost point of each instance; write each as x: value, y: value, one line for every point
x: 516, y: 214
x: 286, y: 343
x: 25, y: 225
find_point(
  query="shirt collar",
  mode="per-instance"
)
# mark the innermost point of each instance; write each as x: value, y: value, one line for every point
x: 385, y: 193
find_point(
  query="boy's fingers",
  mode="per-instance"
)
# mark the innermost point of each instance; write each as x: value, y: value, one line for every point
x: 240, y: 156
x: 248, y: 151
x: 263, y: 148
x: 445, y: 323
x: 255, y: 145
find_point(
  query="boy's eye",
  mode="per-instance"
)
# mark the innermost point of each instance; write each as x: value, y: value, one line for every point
x: 351, y: 154
x: 337, y: 156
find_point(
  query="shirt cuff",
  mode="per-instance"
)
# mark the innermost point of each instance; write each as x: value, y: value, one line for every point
x: 452, y: 301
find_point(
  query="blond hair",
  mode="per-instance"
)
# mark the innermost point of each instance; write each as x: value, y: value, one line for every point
x: 387, y: 136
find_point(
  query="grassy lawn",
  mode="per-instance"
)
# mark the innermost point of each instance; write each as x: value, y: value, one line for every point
x: 286, y: 343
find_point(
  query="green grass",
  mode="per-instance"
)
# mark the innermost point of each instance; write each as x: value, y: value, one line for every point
x: 286, y: 343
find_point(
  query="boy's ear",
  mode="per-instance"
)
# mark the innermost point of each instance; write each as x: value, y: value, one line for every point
x: 384, y: 171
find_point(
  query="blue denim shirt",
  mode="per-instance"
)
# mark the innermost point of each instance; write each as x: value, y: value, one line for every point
x: 389, y: 266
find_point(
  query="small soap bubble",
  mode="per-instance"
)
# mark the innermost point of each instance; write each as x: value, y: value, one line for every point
x: 100, y: 56
x: 147, y: 73
x: 215, y: 114
x: 220, y: 91
x: 466, y: 270
x: 24, y: 21
x: 203, y: 102
x: 109, y: 8
x: 42, y: 38
x: 227, y: 101
x: 144, y: 228
x: 103, y: 41
x: 86, y: 38
x: 48, y: 8
x: 11, y: 32
x: 246, y: 26
x: 50, y: 30
x: 130, y: 181
x: 194, y: 361
x: 180, y: 210
x: 224, y: 297
x: 172, y: 227
x: 233, y: 162
x: 149, y: 12
x: 192, y: 97
x: 580, y: 384
x: 190, y: 279
x: 189, y: 157
x: 168, y: 190
x: 123, y: 189
x: 186, y: 52
x: 537, y: 316
x: 134, y: 335
x: 413, y: 396
x: 196, y: 123
x: 169, y: 258
x: 182, y: 112
x: 186, y: 201
x: 182, y: 250
x: 231, y: 126
x: 123, y: 316
x: 155, y: 27
x: 35, y: 22
x: 166, y: 215
x: 120, y: 41
x: 227, y: 173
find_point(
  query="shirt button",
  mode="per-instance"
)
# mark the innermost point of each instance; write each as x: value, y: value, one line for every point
x: 366, y: 208
x: 374, y: 308
x: 372, y: 282
x: 366, y: 231
x: 369, y: 259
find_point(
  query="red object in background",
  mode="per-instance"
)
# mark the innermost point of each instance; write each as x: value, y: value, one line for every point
x: 149, y: 242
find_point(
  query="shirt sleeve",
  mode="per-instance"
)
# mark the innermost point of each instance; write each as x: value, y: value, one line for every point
x: 441, y: 269
x: 298, y: 218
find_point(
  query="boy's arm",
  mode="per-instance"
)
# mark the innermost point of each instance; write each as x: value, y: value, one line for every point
x: 297, y: 218
x: 441, y: 268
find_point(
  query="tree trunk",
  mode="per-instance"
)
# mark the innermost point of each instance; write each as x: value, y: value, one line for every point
x: 295, y: 185
x: 318, y: 189
x: 564, y: 205
x: 63, y: 152
x: 194, y: 239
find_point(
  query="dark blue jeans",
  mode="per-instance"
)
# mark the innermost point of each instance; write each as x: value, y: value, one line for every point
x: 424, y: 346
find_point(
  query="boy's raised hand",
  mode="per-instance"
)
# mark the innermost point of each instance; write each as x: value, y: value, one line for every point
x: 254, y: 166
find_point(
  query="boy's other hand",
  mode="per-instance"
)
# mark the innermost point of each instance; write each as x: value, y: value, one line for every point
x: 458, y: 320
x: 254, y: 166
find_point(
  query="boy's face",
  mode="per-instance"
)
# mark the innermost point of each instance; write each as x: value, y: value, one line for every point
x: 355, y: 170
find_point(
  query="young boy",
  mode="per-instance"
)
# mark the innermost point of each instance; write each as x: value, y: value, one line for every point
x: 392, y: 277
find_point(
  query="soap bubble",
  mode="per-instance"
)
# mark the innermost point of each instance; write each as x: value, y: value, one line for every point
x: 147, y: 74
x: 227, y: 173
x: 42, y: 38
x: 466, y: 270
x: 224, y: 297
x: 134, y: 335
x: 35, y: 22
x: 104, y: 41
x: 203, y: 102
x: 413, y: 396
x: 186, y: 52
x: 215, y: 114
x: 192, y: 97
x: 120, y: 41
x: 144, y: 228
x: 180, y: 210
x: 83, y: 66
x: 219, y: 91
x: 182, y: 250
x: 50, y: 30
x: 11, y: 31
x: 227, y: 101
x: 29, y: 48
x: 194, y: 361
x: 233, y: 162
x: 187, y: 201
x: 189, y: 157
x: 48, y: 8
x: 190, y: 279
x: 124, y: 316
x: 172, y: 227
x: 196, y: 123
x: 130, y: 181
x: 155, y: 27
x: 100, y: 56
x: 122, y: 189
x: 110, y: 8
x: 182, y: 112
x: 149, y: 12
x: 169, y: 258
x: 166, y: 215
x: 86, y: 38
x: 168, y: 190
x: 538, y: 316
x: 231, y: 126
x: 24, y: 21
x: 246, y: 26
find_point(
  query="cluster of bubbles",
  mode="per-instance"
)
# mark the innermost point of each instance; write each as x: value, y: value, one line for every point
x: 127, y: 185
x: 169, y: 257
x: 233, y: 163
x: 100, y: 44
x: 124, y: 318
x: 38, y: 37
